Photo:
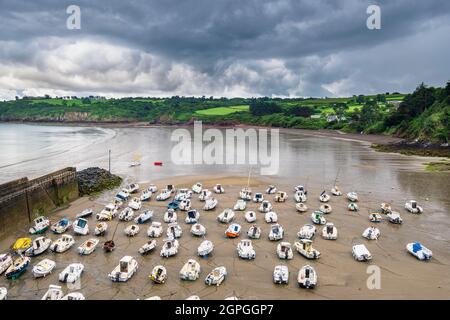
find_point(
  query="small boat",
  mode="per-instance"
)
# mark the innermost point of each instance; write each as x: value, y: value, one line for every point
x: 147, y: 247
x: 245, y: 249
x: 147, y: 215
x: 193, y: 297
x: 352, y: 196
x: 39, y: 246
x: 210, y: 203
x: 301, y: 207
x: 197, y: 188
x: 131, y: 230
x: 318, y: 218
x: 132, y: 188
x: 307, y: 232
x: 233, y: 230
x: 81, y: 227
x: 190, y: 270
x: 53, y: 293
x: 3, y: 293
x: 40, y: 225
x: 134, y: 164
x: 258, y: 197
x: 170, y: 188
x: 218, y: 188
x: 300, y: 188
x: 71, y: 273
x: 169, y: 248
x: 284, y: 251
x: 164, y: 195
x: 307, y: 277
x: 254, y: 232
x: 276, y: 232
x: 371, y: 233
x: 108, y: 213
x: 170, y: 216
x: 86, y: 213
x: 325, y: 208
x: 184, y: 205
x: 271, y: 189
x: 122, y: 195
x: 174, y: 230
x: 329, y: 231
x: 300, y: 196
x: 22, y: 244
x: 159, y: 274
x: 43, y: 268
x: 265, y: 206
x: 413, y: 207
x: 17, y: 267
x: 152, y: 188
x: 74, y: 296
x: 281, y: 196
x: 419, y: 251
x: 135, y: 203
x: 62, y: 244
x: 324, y: 197
x: 183, y: 194
x: 205, y: 248
x: 386, y: 208
x: 153, y: 298
x: 226, y: 216
x: 281, y: 275
x: 88, y: 246
x: 240, y: 205
x: 158, y: 163
x: 375, y: 217
x: 394, y: 217
x: 245, y: 194
x: 216, y: 276
x: 271, y: 217
x: 126, y: 268
x: 109, y: 246
x: 61, y: 226
x: 198, y: 230
x: 250, y: 216
x: 204, y: 194
x: 155, y: 230
x: 305, y: 248
x: 335, y: 191
x: 352, y: 206
x: 360, y: 253
x: 127, y: 214
x: 146, y: 195
x: 192, y: 217
x: 5, y: 262
x: 101, y: 228
x: 175, y: 205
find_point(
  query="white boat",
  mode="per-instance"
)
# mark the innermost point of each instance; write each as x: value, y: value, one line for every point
x: 271, y: 189
x: 5, y: 262
x: 204, y: 194
x: 233, y: 230
x: 205, y: 248
x: 254, y: 232
x: 192, y: 217
x: 147, y: 215
x: 169, y: 248
x: 85, y: 213
x: 324, y: 197
x: 352, y: 196
x: 3, y: 293
x: 190, y: 270
x: 284, y: 251
x: 122, y: 195
x: 325, y: 208
x: 300, y: 188
x: 159, y: 274
x: 153, y: 298
x: 216, y: 276
x: 307, y: 277
x: 134, y: 164
x: 43, y: 268
x: 193, y: 297
x: 124, y: 270
x: 170, y: 216
x: 197, y: 188
x: 218, y: 188
x: 300, y: 196
x: 245, y: 194
x: 131, y: 230
x: 276, y: 232
x: 210, y: 203
x: 226, y: 216
x: 352, y: 206
x: 335, y: 191
x: 183, y: 194
x: 307, y: 232
x: 318, y: 218
x: 198, y: 230
x: 117, y: 203
x: 61, y: 226
x: 419, y: 251
x: 88, y: 246
x: 135, y: 204
x: 413, y: 207
x: 386, y: 208
x: 108, y: 213
x: 40, y: 225
x: 146, y: 195
x: 53, y: 293
x: 240, y: 205
x: 74, y: 296
x: 258, y: 197
x: 301, y: 207
x: 371, y: 233
x: 81, y: 226
x: 164, y: 195
x: 245, y: 249
x: 360, y: 253
x: 271, y: 217
x: 394, y: 217
x: 155, y: 230
x: 174, y: 230
x: 329, y: 231
x: 147, y: 247
x: 152, y: 188
x: 305, y: 248
x: 132, y: 188
x: 39, y: 246
x: 265, y: 206
x: 281, y: 275
x: 375, y: 217
x: 185, y: 205
x: 62, y: 244
x: 281, y: 196
x: 250, y: 216
x: 71, y: 273
x: 100, y: 228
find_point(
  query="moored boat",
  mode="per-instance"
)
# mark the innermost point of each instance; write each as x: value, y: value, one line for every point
x: 53, y: 293
x: 210, y: 203
x: 5, y: 262
x: 88, y: 246
x: 71, y: 273
x: 360, y: 253
x: 216, y: 276
x: 169, y: 248
x: 190, y: 270
x: 101, y: 228
x: 149, y: 246
x: 307, y: 232
x: 198, y: 230
x: 419, y: 251
x: 205, y: 248
x: 61, y: 226
x: 39, y: 246
x: 155, y: 230
x: 126, y: 268
x: 371, y: 233
x: 131, y: 230
x: 245, y: 249
x: 226, y: 216
x: 281, y: 196
x: 170, y: 216
x: 284, y: 251
x: 174, y: 230
x: 413, y: 207
x: 159, y: 274
x: 250, y: 216
x: 318, y: 218
x: 276, y: 232
x: 81, y: 227
x: 271, y: 217
x: 218, y: 188
x: 145, y: 216
x: 329, y: 231
x: 352, y: 196
x: 305, y: 248
x: 17, y: 268
x: 43, y: 268
x: 233, y: 230
x: 307, y: 277
x: 40, y: 225
x: 254, y: 232
x: 281, y: 274
x: 301, y: 207
x: 62, y: 244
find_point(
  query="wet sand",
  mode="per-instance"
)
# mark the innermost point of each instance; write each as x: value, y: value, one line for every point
x: 340, y: 276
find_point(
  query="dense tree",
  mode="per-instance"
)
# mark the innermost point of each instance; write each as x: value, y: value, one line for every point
x: 261, y: 107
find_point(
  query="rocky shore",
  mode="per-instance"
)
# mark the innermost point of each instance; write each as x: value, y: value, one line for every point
x: 94, y: 180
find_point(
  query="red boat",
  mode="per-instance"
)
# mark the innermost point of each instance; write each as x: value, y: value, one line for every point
x: 157, y: 163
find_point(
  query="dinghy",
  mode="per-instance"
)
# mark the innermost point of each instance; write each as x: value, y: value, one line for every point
x: 43, y: 268
x: 40, y: 225
x: 147, y: 247
x: 147, y: 215
x: 218, y: 188
x: 108, y: 213
x: 233, y: 230
x: 124, y: 270
x: 360, y: 253
x: 164, y: 195
x: 276, y: 232
x: 146, y: 195
x: 192, y: 217
x: 375, y: 217
x: 22, y: 244
x: 155, y: 230
x: 131, y: 230
x: 419, y: 251
x: 394, y: 217
x: 53, y: 293
x: 3, y: 293
x: 386, y: 208
x: 71, y: 273
x: 329, y: 231
x: 88, y: 246
x: 335, y: 191
x: 210, y: 204
x: 250, y: 216
x: 183, y: 194
x: 197, y: 188
x: 109, y: 246
x: 153, y: 298
x: 284, y: 251
x: 204, y: 194
x: 245, y: 249
x: 169, y: 248
x: 271, y: 217
x: 190, y: 270
x: 184, y: 205
x: 61, y: 226
x: 39, y: 246
x: 301, y: 207
x: 240, y: 205
x: 258, y: 197
x: 62, y: 244
x: 117, y: 203
x: 174, y: 230
x: 122, y: 195
x: 318, y: 218
x: 17, y: 267
x: 300, y: 196
x: 198, y: 230
x: 307, y: 232
x: 170, y: 216
x: 205, y: 248
x: 281, y: 275
x: 281, y: 196
x: 352, y: 196
x: 324, y: 197
x: 371, y: 233
x: 5, y: 262
x: 100, y: 229
x: 325, y: 208
x: 74, y: 296
x: 135, y: 204
x: 307, y: 277
x: 352, y: 206
x: 81, y: 227
x: 175, y: 205
x: 271, y: 189
x: 305, y: 248
x: 245, y: 194
x: 216, y: 276
x: 413, y: 207
x: 152, y: 188
x: 265, y: 206
x: 132, y: 188
x: 226, y: 216
x: 159, y: 274
x: 254, y: 232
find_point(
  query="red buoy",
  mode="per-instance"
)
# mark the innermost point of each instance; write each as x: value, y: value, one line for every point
x: 157, y: 163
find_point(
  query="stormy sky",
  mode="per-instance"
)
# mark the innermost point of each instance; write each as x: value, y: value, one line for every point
x: 222, y: 47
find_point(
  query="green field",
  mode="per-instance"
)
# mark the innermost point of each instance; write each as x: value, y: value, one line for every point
x: 222, y: 111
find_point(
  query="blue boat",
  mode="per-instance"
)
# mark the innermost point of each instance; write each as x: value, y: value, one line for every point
x: 173, y: 205
x: 17, y: 268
